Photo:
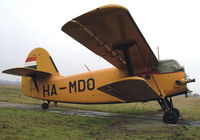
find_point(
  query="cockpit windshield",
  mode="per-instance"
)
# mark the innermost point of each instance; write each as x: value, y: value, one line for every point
x: 166, y: 66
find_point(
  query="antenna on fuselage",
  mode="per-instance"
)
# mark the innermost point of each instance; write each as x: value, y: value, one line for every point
x: 158, y: 52
x: 87, y: 68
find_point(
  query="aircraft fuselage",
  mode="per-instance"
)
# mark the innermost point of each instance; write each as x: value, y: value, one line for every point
x: 83, y: 88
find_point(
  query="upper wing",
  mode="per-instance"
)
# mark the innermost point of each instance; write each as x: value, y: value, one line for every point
x: 132, y: 89
x: 104, y: 28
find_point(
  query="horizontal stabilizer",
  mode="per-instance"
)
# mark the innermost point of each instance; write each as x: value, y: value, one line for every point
x: 132, y: 89
x: 27, y: 72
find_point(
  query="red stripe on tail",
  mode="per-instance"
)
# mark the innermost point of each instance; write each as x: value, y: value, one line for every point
x: 30, y: 59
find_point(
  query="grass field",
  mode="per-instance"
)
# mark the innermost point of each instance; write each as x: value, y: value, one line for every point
x: 16, y: 124
x: 26, y: 124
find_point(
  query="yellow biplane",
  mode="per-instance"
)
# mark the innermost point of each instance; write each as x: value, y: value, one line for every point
x: 138, y: 76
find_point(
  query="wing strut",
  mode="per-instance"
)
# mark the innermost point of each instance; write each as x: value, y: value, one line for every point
x: 125, y: 49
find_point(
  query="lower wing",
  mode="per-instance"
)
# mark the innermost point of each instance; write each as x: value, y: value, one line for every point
x: 132, y: 89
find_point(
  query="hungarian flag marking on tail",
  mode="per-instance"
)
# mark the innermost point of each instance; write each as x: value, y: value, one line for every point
x: 31, y: 63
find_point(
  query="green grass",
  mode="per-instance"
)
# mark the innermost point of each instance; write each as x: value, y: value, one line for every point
x: 16, y: 124
x: 12, y: 93
x: 25, y: 124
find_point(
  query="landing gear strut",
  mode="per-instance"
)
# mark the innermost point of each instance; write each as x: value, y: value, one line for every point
x: 171, y: 114
x: 45, y: 106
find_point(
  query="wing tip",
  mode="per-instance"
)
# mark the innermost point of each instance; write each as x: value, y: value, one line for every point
x: 112, y: 6
x: 108, y: 6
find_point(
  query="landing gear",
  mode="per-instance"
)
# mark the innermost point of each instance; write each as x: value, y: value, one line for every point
x: 45, y: 106
x: 171, y: 114
x: 170, y: 117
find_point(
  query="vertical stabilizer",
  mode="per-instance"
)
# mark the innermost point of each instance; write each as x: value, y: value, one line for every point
x: 40, y: 60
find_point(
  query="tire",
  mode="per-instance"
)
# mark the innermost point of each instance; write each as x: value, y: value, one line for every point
x: 176, y: 111
x: 170, y: 117
x: 45, y: 106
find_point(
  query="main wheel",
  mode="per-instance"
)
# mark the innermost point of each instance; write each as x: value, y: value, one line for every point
x: 170, y: 117
x: 45, y: 106
x: 176, y: 111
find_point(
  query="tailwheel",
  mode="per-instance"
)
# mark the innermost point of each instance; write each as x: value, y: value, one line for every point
x: 45, y: 106
x: 170, y: 117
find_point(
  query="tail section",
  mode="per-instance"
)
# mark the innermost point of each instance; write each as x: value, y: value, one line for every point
x: 38, y: 63
x: 38, y: 67
x: 39, y: 59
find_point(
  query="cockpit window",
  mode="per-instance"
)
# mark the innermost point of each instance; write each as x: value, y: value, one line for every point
x: 166, y: 66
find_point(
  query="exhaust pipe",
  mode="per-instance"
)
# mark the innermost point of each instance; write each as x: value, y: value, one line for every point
x: 190, y: 80
x: 183, y: 81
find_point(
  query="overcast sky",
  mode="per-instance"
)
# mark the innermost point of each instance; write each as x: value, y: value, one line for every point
x: 173, y: 25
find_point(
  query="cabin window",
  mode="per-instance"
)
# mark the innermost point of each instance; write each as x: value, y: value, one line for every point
x: 166, y: 66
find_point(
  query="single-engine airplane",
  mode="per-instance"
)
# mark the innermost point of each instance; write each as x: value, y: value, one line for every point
x: 138, y: 76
